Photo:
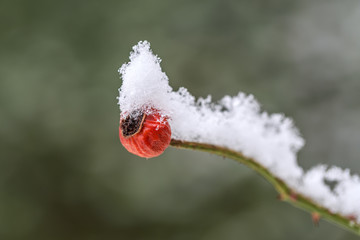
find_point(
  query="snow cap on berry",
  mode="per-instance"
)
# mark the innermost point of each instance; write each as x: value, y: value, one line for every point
x: 144, y: 84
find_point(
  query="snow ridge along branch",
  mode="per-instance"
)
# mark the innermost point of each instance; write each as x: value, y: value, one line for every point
x: 234, y: 127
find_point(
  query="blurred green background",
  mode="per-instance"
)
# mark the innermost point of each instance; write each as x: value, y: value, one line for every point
x: 63, y: 172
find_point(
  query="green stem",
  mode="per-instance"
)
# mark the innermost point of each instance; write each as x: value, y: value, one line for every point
x: 286, y: 193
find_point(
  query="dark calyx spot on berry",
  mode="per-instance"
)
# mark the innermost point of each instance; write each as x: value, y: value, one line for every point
x: 132, y: 124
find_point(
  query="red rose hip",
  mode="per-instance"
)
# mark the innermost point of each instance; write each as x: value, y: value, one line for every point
x: 145, y: 135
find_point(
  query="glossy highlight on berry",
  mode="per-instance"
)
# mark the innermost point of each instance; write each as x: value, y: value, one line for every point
x: 145, y: 135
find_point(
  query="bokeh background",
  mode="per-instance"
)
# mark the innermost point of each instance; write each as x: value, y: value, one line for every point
x: 63, y: 172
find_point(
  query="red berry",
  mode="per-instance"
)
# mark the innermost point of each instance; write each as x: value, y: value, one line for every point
x: 145, y: 135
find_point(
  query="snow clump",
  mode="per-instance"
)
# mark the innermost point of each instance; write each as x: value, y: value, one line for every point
x: 236, y: 123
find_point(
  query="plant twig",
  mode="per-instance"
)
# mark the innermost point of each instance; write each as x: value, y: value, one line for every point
x: 286, y: 193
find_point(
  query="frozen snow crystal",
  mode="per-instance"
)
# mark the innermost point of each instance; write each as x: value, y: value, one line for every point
x: 236, y: 123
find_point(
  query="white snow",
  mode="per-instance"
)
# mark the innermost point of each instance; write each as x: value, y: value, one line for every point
x: 238, y: 124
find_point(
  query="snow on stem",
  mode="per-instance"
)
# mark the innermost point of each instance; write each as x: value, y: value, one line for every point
x: 234, y: 127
